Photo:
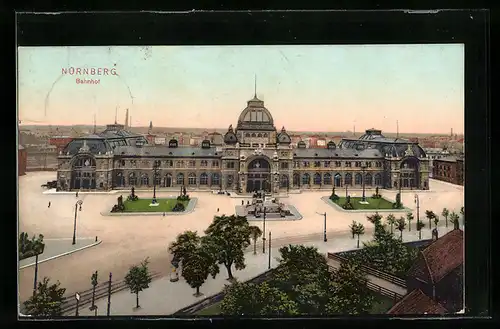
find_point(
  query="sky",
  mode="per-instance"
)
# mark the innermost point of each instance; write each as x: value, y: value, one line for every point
x: 306, y: 87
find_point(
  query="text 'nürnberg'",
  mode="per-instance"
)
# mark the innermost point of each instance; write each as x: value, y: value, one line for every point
x: 89, y: 71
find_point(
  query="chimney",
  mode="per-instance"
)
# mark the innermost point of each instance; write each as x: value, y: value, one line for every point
x: 126, y: 119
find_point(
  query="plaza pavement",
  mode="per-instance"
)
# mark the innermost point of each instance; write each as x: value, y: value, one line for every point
x: 164, y: 297
x: 130, y: 239
x: 58, y: 248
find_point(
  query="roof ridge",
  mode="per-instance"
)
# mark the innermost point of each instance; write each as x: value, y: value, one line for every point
x: 427, y: 264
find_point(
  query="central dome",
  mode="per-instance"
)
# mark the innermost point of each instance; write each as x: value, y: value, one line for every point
x: 255, y: 114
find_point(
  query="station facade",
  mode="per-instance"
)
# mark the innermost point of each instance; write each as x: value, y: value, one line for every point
x: 253, y: 156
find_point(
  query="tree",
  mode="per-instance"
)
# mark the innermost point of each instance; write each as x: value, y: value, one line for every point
x: 420, y: 226
x: 353, y: 228
x: 436, y: 221
x: 391, y: 220
x: 47, y: 301
x: 256, y: 299
x: 409, y: 218
x: 454, y: 220
x: 197, y: 267
x: 93, y: 281
x: 185, y: 244
x: 349, y: 293
x: 255, y: 233
x: 227, y: 238
x: 138, y: 278
x: 29, y: 248
x: 360, y: 230
x: 430, y: 216
x: 445, y: 214
x: 462, y: 212
x: 375, y: 219
x: 400, y: 225
x: 398, y: 204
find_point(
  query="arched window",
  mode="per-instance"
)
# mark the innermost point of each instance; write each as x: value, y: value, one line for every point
x: 84, y: 162
x: 192, y: 179
x: 357, y: 179
x: 144, y: 179
x: 306, y: 179
x: 317, y: 179
x: 180, y: 179
x: 348, y: 179
x: 157, y: 179
x: 264, y: 135
x: 378, y: 180
x: 203, y: 179
x: 253, y: 134
x: 368, y: 179
x: 284, y: 181
x: 230, y: 179
x: 247, y: 135
x: 120, y: 180
x: 338, y: 180
x: 215, y: 179
x: 296, y: 180
x: 327, y: 179
x: 259, y: 135
x: 132, y: 179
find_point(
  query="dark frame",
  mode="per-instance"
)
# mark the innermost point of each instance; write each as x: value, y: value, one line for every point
x: 329, y: 27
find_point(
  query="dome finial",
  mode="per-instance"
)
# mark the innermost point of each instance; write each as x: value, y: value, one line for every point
x: 255, y: 86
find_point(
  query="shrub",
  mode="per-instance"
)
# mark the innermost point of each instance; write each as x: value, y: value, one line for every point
x: 179, y: 207
x: 334, y: 197
x: 132, y: 198
x: 183, y: 197
x: 376, y: 196
x: 118, y: 208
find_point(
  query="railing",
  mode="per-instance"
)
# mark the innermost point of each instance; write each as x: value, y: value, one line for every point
x: 378, y: 289
x: 204, y: 303
x: 371, y: 271
x: 101, y: 291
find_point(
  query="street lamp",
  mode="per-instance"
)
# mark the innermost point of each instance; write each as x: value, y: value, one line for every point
x: 78, y: 203
x: 324, y: 226
x: 276, y: 179
x: 363, y: 168
x: 156, y: 166
x: 417, y: 202
x: 264, y: 232
x: 345, y: 190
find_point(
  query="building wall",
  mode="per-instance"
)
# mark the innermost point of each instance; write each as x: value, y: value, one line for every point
x: 451, y: 172
x: 22, y: 160
x: 449, y: 291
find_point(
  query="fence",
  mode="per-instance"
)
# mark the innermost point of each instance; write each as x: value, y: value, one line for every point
x: 209, y: 301
x: 371, y: 271
x: 101, y: 291
x: 378, y: 289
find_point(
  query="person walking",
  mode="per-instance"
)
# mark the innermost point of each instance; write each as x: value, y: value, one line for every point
x: 49, y: 205
x: 217, y: 209
x: 77, y: 194
x: 163, y: 214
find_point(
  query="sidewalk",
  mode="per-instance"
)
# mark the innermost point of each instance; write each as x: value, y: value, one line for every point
x: 164, y: 297
x: 55, y: 248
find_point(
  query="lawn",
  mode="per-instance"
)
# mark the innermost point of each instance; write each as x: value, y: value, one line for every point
x: 142, y: 205
x: 211, y: 310
x: 372, y: 203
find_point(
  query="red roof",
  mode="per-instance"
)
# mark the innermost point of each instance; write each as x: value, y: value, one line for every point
x: 441, y: 257
x: 416, y: 302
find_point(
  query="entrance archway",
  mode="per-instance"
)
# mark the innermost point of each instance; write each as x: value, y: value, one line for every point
x: 409, y: 173
x: 168, y: 180
x: 259, y: 175
x: 83, y: 173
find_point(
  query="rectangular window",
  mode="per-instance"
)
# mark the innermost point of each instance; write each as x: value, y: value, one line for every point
x: 348, y: 163
x: 284, y: 165
x: 368, y: 164
x: 215, y: 163
x: 305, y: 164
x: 317, y: 164
x: 327, y: 164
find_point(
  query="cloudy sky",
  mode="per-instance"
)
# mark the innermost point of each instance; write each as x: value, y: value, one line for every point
x: 312, y: 88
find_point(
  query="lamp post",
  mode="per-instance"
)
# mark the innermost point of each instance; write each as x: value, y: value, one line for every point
x: 264, y: 232
x: 156, y: 166
x: 77, y: 297
x: 417, y: 202
x: 363, y: 168
x: 324, y: 225
x: 346, y: 190
x: 78, y: 203
x: 39, y: 247
x: 269, y: 262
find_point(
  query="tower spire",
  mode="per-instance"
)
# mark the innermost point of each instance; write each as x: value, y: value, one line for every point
x: 116, y: 113
x: 255, y: 86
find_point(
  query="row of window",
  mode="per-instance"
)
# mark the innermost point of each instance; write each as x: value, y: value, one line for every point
x: 327, y: 179
x: 256, y: 135
x: 171, y: 163
x: 328, y: 164
x: 167, y: 180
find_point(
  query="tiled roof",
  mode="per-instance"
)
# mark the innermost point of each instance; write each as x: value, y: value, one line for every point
x: 447, y: 159
x: 161, y: 150
x: 416, y: 302
x: 336, y: 153
x: 445, y: 254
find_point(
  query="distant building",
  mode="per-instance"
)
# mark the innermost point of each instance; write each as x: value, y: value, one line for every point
x: 321, y: 142
x: 449, y: 169
x: 159, y: 140
x: 22, y: 158
x: 151, y: 138
x: 60, y: 142
x: 435, y: 281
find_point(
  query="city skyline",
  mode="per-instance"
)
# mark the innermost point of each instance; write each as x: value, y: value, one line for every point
x: 327, y: 88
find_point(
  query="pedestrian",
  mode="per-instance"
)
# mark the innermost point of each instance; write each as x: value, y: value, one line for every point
x: 217, y: 209
x: 77, y: 194
x: 164, y: 214
x: 49, y: 205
